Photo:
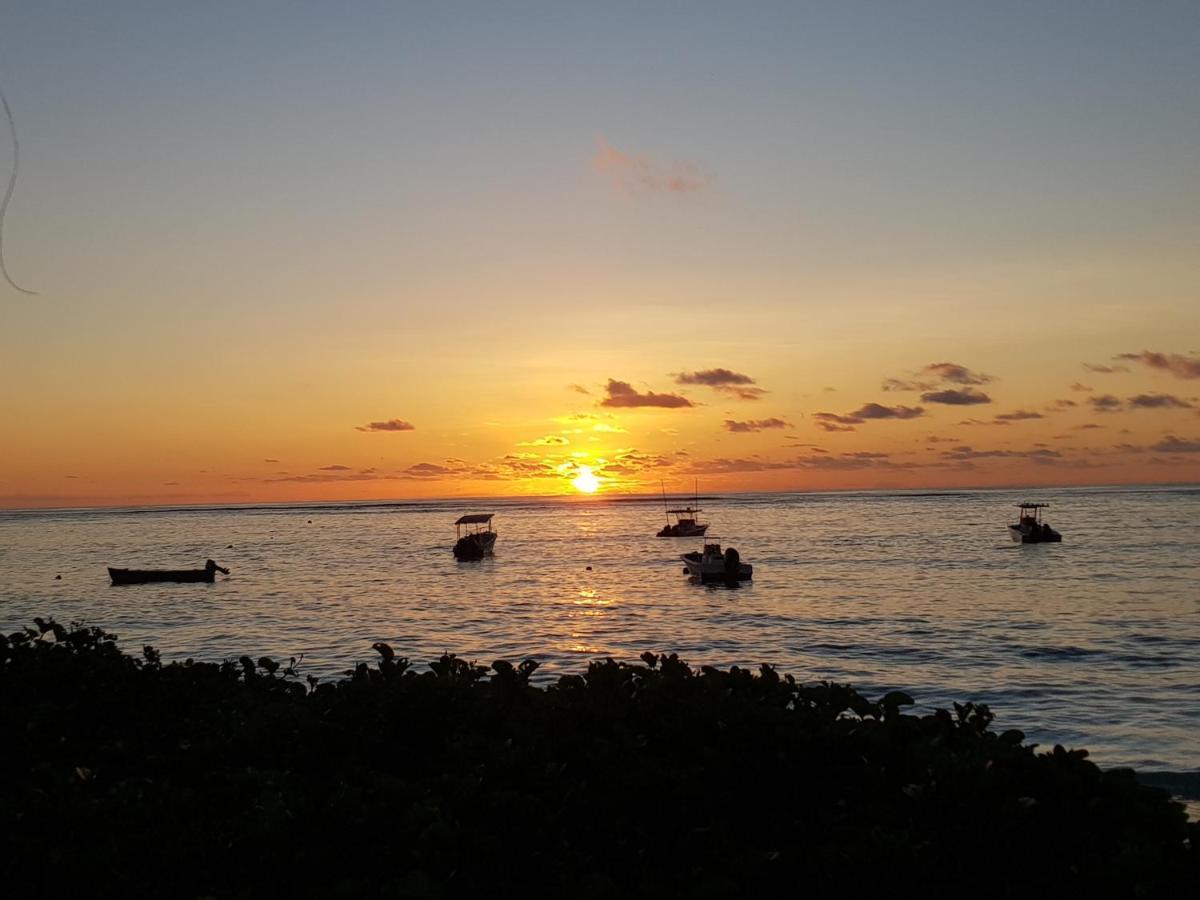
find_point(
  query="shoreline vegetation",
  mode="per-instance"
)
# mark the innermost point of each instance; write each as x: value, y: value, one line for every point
x: 126, y: 775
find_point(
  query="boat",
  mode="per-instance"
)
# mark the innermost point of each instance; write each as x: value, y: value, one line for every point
x: 148, y: 576
x: 711, y: 565
x: 1029, y: 527
x: 476, y: 539
x: 686, y: 524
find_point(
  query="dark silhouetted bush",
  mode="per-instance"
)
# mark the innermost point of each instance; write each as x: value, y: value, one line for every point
x: 125, y: 776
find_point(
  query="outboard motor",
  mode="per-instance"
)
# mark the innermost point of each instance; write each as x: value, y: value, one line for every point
x: 733, y: 565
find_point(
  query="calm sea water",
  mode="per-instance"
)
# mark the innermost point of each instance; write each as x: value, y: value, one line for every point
x: 1094, y: 642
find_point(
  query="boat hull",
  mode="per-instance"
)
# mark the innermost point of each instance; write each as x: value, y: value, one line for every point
x: 475, y: 546
x: 709, y: 570
x: 1025, y: 535
x: 151, y: 576
x: 682, y: 530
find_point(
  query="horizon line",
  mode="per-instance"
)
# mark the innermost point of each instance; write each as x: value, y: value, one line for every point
x: 201, y: 505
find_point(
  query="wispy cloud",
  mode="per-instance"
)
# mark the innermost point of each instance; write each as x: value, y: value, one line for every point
x: 1105, y: 403
x: 970, y: 453
x: 387, y: 425
x: 955, y: 397
x: 1158, y: 401
x: 549, y: 440
x: 953, y: 372
x: 713, y: 377
x: 1019, y: 416
x: 900, y: 384
x: 622, y: 395
x: 755, y: 425
x: 579, y: 389
x: 733, y: 383
x: 636, y: 174
x: 1173, y: 444
x: 834, y: 422
x: 335, y: 468
x: 1105, y: 370
x: 1081, y: 387
x: 1175, y: 363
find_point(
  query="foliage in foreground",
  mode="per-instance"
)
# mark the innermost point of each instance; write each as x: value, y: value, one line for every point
x: 124, y: 775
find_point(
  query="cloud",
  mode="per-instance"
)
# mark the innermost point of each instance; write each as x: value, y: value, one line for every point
x: 957, y: 454
x: 755, y: 425
x: 389, y: 425
x: 713, y: 377
x: 954, y: 397
x: 639, y: 175
x: 1088, y: 426
x: 897, y: 384
x: 957, y: 374
x: 1105, y: 403
x: 335, y: 468
x: 1175, y: 363
x: 579, y: 389
x: 878, y: 411
x: 842, y: 462
x: 1019, y: 415
x: 1172, y: 444
x: 733, y: 383
x: 549, y: 440
x: 1105, y: 370
x: 1081, y: 387
x: 1158, y: 401
x: 834, y: 422
x: 621, y: 394
x: 1062, y: 404
x: 270, y: 460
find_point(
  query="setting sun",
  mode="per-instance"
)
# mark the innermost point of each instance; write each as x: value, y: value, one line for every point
x: 585, y: 481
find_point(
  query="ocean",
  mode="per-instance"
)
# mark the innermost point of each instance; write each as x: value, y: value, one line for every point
x: 1092, y: 643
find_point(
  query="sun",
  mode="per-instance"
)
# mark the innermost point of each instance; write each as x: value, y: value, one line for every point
x: 586, y: 481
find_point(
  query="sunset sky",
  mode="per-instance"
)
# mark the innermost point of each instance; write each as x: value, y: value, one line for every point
x: 303, y: 250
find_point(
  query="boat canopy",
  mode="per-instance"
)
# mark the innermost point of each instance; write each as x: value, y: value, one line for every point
x: 1032, y: 505
x: 475, y: 518
x: 681, y: 512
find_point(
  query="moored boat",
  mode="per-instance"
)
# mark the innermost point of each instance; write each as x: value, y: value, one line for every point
x: 711, y: 565
x: 149, y: 576
x: 1029, y: 527
x: 687, y: 520
x: 478, y: 539
x: 686, y: 524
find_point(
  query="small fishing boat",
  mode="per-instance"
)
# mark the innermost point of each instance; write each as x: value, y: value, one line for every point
x: 711, y: 565
x: 475, y: 536
x: 687, y: 522
x: 148, y: 576
x: 1029, y: 527
x: 685, y: 525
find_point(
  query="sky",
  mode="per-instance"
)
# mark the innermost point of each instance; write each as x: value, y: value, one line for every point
x: 293, y: 251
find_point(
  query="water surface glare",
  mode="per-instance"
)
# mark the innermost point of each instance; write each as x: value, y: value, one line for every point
x: 1093, y: 642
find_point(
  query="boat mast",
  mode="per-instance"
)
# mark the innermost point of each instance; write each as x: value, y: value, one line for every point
x: 666, y: 511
